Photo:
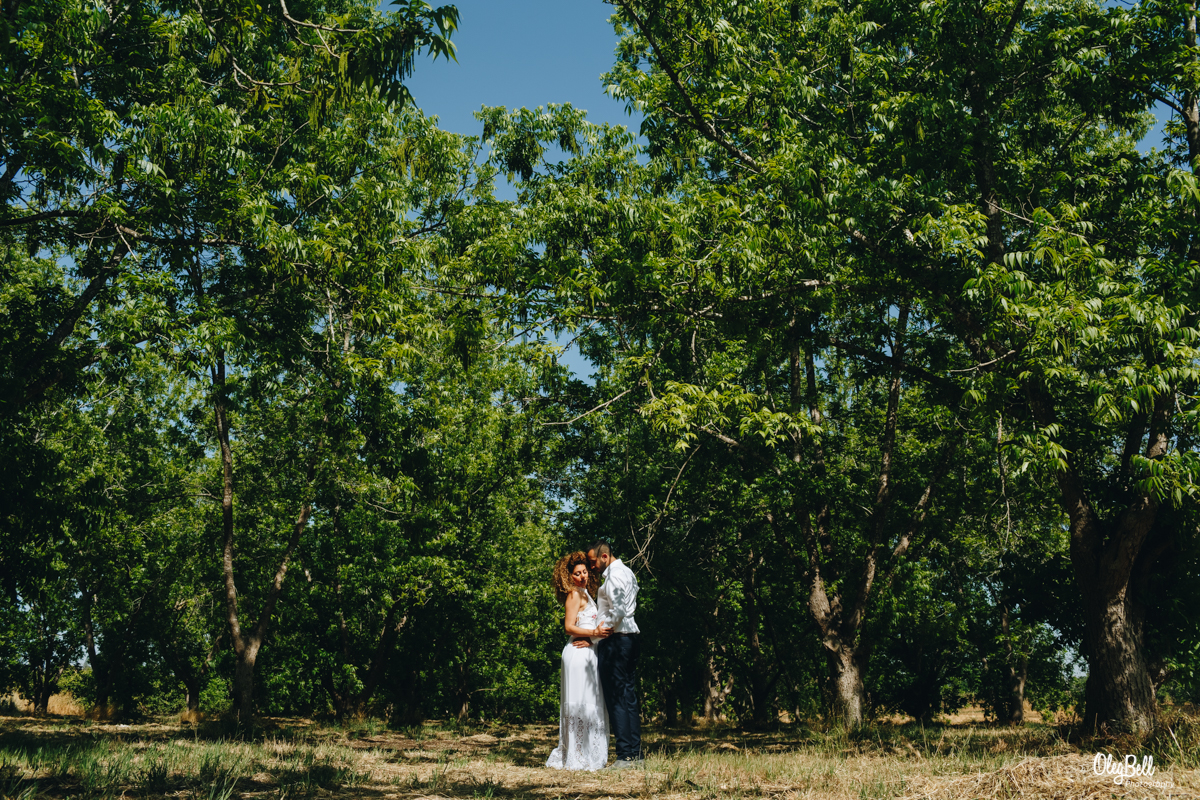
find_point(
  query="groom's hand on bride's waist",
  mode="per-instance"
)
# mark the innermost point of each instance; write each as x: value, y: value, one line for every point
x: 581, y: 641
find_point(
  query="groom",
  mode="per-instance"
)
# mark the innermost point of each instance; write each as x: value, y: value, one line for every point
x: 617, y: 653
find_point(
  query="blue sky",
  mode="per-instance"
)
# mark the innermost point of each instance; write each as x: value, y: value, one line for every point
x: 516, y: 53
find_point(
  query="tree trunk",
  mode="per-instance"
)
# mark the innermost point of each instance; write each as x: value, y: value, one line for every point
x: 1119, y: 694
x: 846, y: 668
x: 193, y: 678
x: 99, y: 671
x: 1016, y: 689
x: 463, y: 694
x: 193, y: 696
x: 109, y: 680
x: 41, y: 699
x: 409, y: 710
x: 45, y: 683
x: 1016, y: 675
x: 340, y: 707
x: 761, y: 684
x: 760, y: 698
x: 246, y: 643
x: 670, y: 707
x: 840, y: 614
x: 106, y: 666
x: 243, y: 675
x: 714, y: 691
x: 243, y: 682
x: 383, y: 651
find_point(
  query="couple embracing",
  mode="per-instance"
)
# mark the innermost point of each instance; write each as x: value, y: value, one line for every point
x: 599, y: 663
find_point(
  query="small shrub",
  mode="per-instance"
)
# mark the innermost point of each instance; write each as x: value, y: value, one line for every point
x: 155, y: 778
x: 222, y: 789
x: 1177, y: 739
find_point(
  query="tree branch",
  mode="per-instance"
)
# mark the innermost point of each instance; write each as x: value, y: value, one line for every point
x: 42, y: 217
x: 591, y: 410
x: 85, y: 299
x: 703, y: 126
x: 887, y: 361
x: 1013, y: 19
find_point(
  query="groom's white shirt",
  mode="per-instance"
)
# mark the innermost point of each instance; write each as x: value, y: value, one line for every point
x: 617, y: 598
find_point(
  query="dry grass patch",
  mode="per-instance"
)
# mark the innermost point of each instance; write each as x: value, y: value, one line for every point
x: 1060, y: 778
x: 294, y: 759
x: 59, y: 705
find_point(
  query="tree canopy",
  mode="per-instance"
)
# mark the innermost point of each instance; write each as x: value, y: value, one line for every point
x: 891, y: 312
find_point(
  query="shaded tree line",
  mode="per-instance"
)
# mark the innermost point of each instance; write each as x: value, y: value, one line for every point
x: 891, y: 321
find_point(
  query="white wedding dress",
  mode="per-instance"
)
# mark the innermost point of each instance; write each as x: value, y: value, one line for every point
x: 583, y: 718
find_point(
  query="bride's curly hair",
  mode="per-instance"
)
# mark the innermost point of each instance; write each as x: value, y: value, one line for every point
x: 563, y: 585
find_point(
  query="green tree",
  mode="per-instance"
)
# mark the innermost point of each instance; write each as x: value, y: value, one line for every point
x: 168, y: 168
x: 126, y: 139
x: 430, y: 549
x: 866, y: 196
x: 908, y: 148
x: 738, y: 328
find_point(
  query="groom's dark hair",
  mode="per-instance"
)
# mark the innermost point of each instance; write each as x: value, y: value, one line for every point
x: 600, y: 547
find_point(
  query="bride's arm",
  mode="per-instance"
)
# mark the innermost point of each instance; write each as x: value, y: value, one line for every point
x: 574, y: 602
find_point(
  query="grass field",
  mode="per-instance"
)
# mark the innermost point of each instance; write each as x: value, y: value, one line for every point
x: 289, y: 758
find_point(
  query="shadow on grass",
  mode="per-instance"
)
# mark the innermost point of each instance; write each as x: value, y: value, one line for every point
x: 291, y: 758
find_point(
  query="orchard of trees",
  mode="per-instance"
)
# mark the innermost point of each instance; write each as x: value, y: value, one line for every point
x: 892, y: 309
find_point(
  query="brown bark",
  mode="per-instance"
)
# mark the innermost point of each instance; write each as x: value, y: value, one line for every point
x: 1112, y: 557
x: 715, y: 690
x: 463, y: 693
x: 670, y: 706
x: 192, y: 688
x: 45, y: 676
x: 762, y: 684
x: 840, y: 616
x: 108, y: 667
x: 243, y: 682
x: 246, y: 644
x: 89, y: 641
x: 849, y: 696
x: 340, y: 706
x: 1119, y: 696
x: 42, y: 693
x: 1017, y: 672
x: 387, y: 641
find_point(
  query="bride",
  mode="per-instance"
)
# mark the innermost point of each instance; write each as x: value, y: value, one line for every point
x: 583, y: 719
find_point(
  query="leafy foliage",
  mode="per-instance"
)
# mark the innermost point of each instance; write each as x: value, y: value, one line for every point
x: 891, y: 321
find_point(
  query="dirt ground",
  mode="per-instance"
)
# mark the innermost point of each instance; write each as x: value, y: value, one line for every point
x: 292, y: 758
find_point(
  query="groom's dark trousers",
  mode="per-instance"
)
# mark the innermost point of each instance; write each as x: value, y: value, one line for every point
x: 617, y: 658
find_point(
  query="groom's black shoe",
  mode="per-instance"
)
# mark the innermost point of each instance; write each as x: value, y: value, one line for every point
x: 627, y: 763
